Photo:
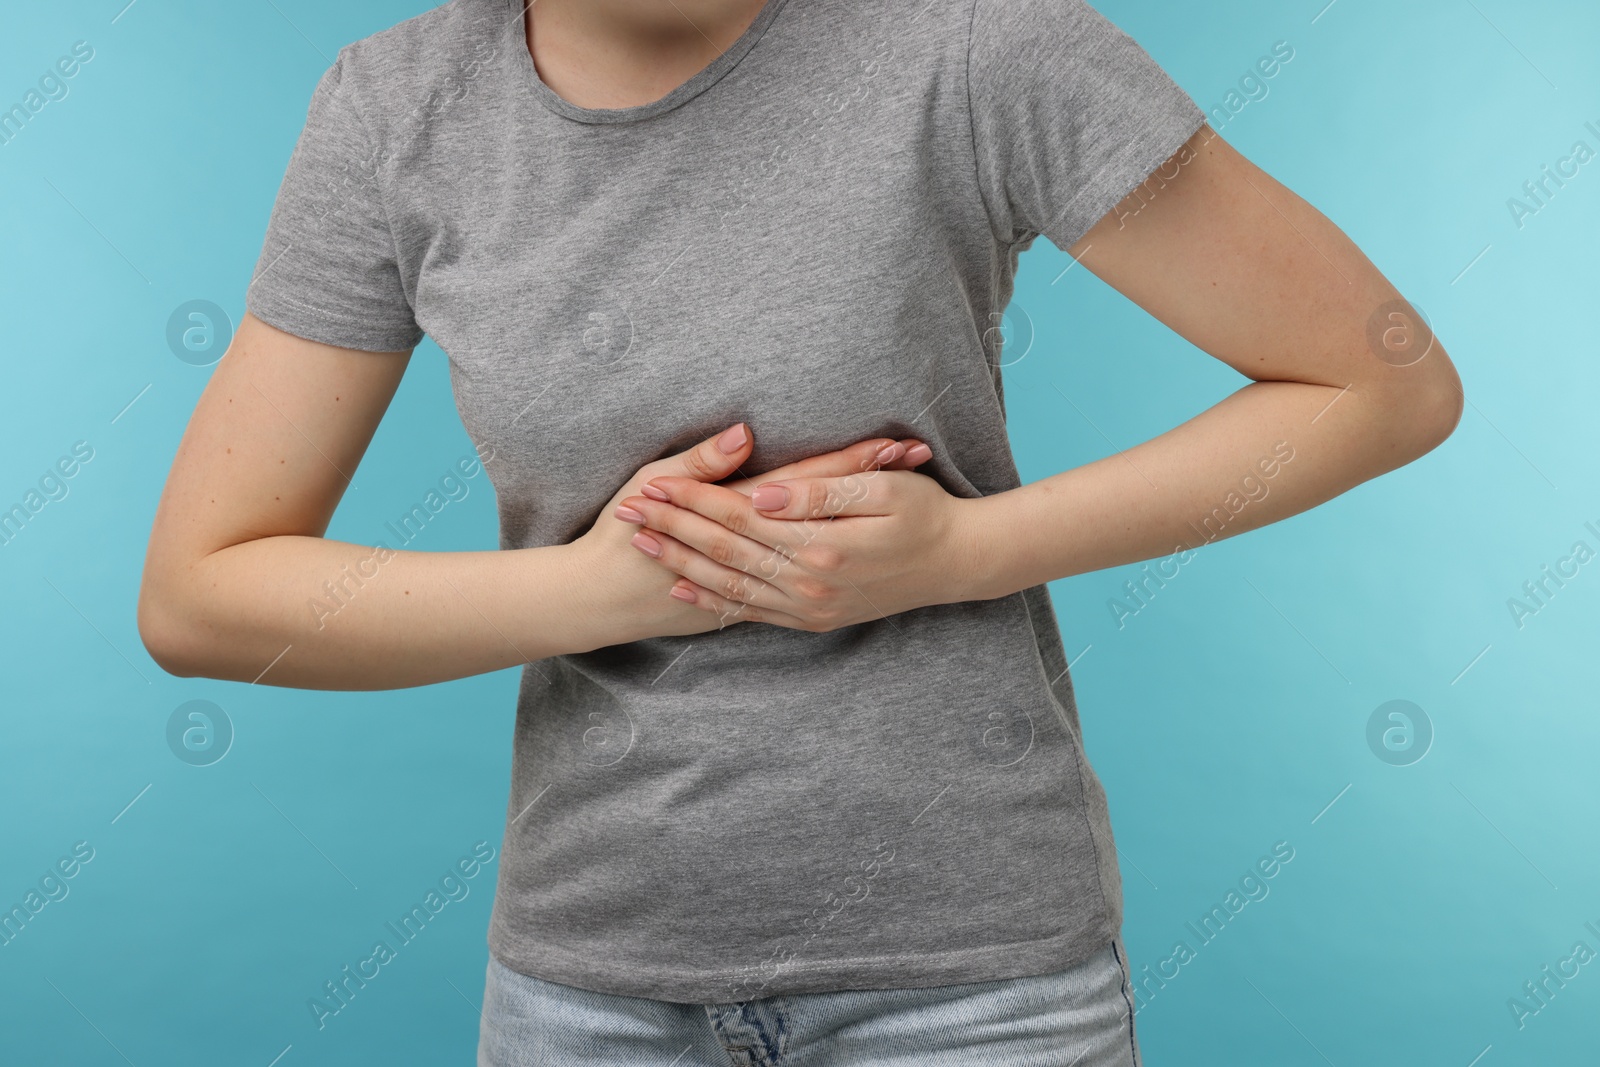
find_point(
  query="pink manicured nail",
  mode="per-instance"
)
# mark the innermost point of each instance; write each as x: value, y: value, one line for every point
x: 646, y: 544
x: 683, y: 594
x: 888, y: 454
x: 919, y: 453
x: 733, y: 439
x: 652, y: 492
x: 627, y: 514
x: 769, y: 497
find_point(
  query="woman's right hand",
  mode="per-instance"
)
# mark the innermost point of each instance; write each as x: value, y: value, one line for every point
x: 635, y: 590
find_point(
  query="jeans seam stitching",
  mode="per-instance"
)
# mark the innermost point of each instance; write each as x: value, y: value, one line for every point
x: 1133, y: 1049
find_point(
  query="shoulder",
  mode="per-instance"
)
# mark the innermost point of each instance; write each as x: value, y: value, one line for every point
x: 1009, y: 30
x: 1029, y: 15
x: 1024, y: 49
x: 401, y: 75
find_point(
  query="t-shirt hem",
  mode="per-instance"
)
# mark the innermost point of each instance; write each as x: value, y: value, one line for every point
x: 317, y: 324
x: 915, y: 970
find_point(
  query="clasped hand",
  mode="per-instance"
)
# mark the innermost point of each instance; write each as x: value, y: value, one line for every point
x: 809, y: 553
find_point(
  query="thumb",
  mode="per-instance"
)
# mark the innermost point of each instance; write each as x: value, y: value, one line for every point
x: 711, y: 460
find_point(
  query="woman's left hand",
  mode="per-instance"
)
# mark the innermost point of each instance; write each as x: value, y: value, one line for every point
x: 811, y: 553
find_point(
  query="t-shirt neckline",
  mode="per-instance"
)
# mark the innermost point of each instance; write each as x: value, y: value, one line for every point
x: 699, y: 83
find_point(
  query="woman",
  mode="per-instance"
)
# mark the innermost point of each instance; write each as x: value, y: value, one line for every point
x: 798, y: 777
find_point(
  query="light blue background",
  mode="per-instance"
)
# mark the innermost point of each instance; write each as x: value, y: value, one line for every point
x: 1229, y: 714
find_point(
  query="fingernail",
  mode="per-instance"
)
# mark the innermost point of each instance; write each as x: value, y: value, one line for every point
x: 888, y: 454
x: 646, y: 544
x: 769, y: 497
x: 733, y: 439
x: 919, y: 453
x: 627, y: 514
x: 682, y: 594
x: 652, y: 492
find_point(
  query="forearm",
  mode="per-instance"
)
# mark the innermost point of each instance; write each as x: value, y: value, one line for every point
x: 1204, y: 480
x: 312, y: 613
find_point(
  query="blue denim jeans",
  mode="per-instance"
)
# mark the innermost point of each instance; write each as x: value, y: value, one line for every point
x: 1079, y: 1017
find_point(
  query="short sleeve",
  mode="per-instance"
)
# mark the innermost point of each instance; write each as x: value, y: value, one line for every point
x: 328, y: 268
x: 1069, y: 115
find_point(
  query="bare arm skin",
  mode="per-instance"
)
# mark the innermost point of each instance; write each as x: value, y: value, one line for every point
x: 1254, y: 276
x: 237, y: 553
x: 1228, y: 258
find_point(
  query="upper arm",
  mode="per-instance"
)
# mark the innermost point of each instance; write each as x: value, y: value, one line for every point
x: 1251, y: 274
x: 1069, y: 113
x: 271, y: 446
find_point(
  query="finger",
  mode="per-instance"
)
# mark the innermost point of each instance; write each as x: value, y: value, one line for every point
x: 861, y: 456
x: 714, y: 538
x: 726, y: 582
x: 916, y: 453
x: 869, y: 493
x: 710, y: 460
x: 721, y: 511
x: 732, y: 611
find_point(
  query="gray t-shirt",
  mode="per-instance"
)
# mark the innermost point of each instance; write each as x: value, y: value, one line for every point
x: 816, y: 234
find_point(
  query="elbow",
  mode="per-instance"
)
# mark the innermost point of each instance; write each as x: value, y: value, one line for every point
x: 1426, y: 411
x: 1439, y: 409
x: 162, y: 632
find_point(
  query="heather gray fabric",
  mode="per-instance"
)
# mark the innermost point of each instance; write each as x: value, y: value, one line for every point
x: 816, y: 234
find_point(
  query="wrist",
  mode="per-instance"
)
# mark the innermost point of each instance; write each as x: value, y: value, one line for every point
x: 582, y: 611
x: 981, y: 549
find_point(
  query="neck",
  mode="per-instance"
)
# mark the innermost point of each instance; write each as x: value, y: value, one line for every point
x: 643, y: 26
x: 620, y: 53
